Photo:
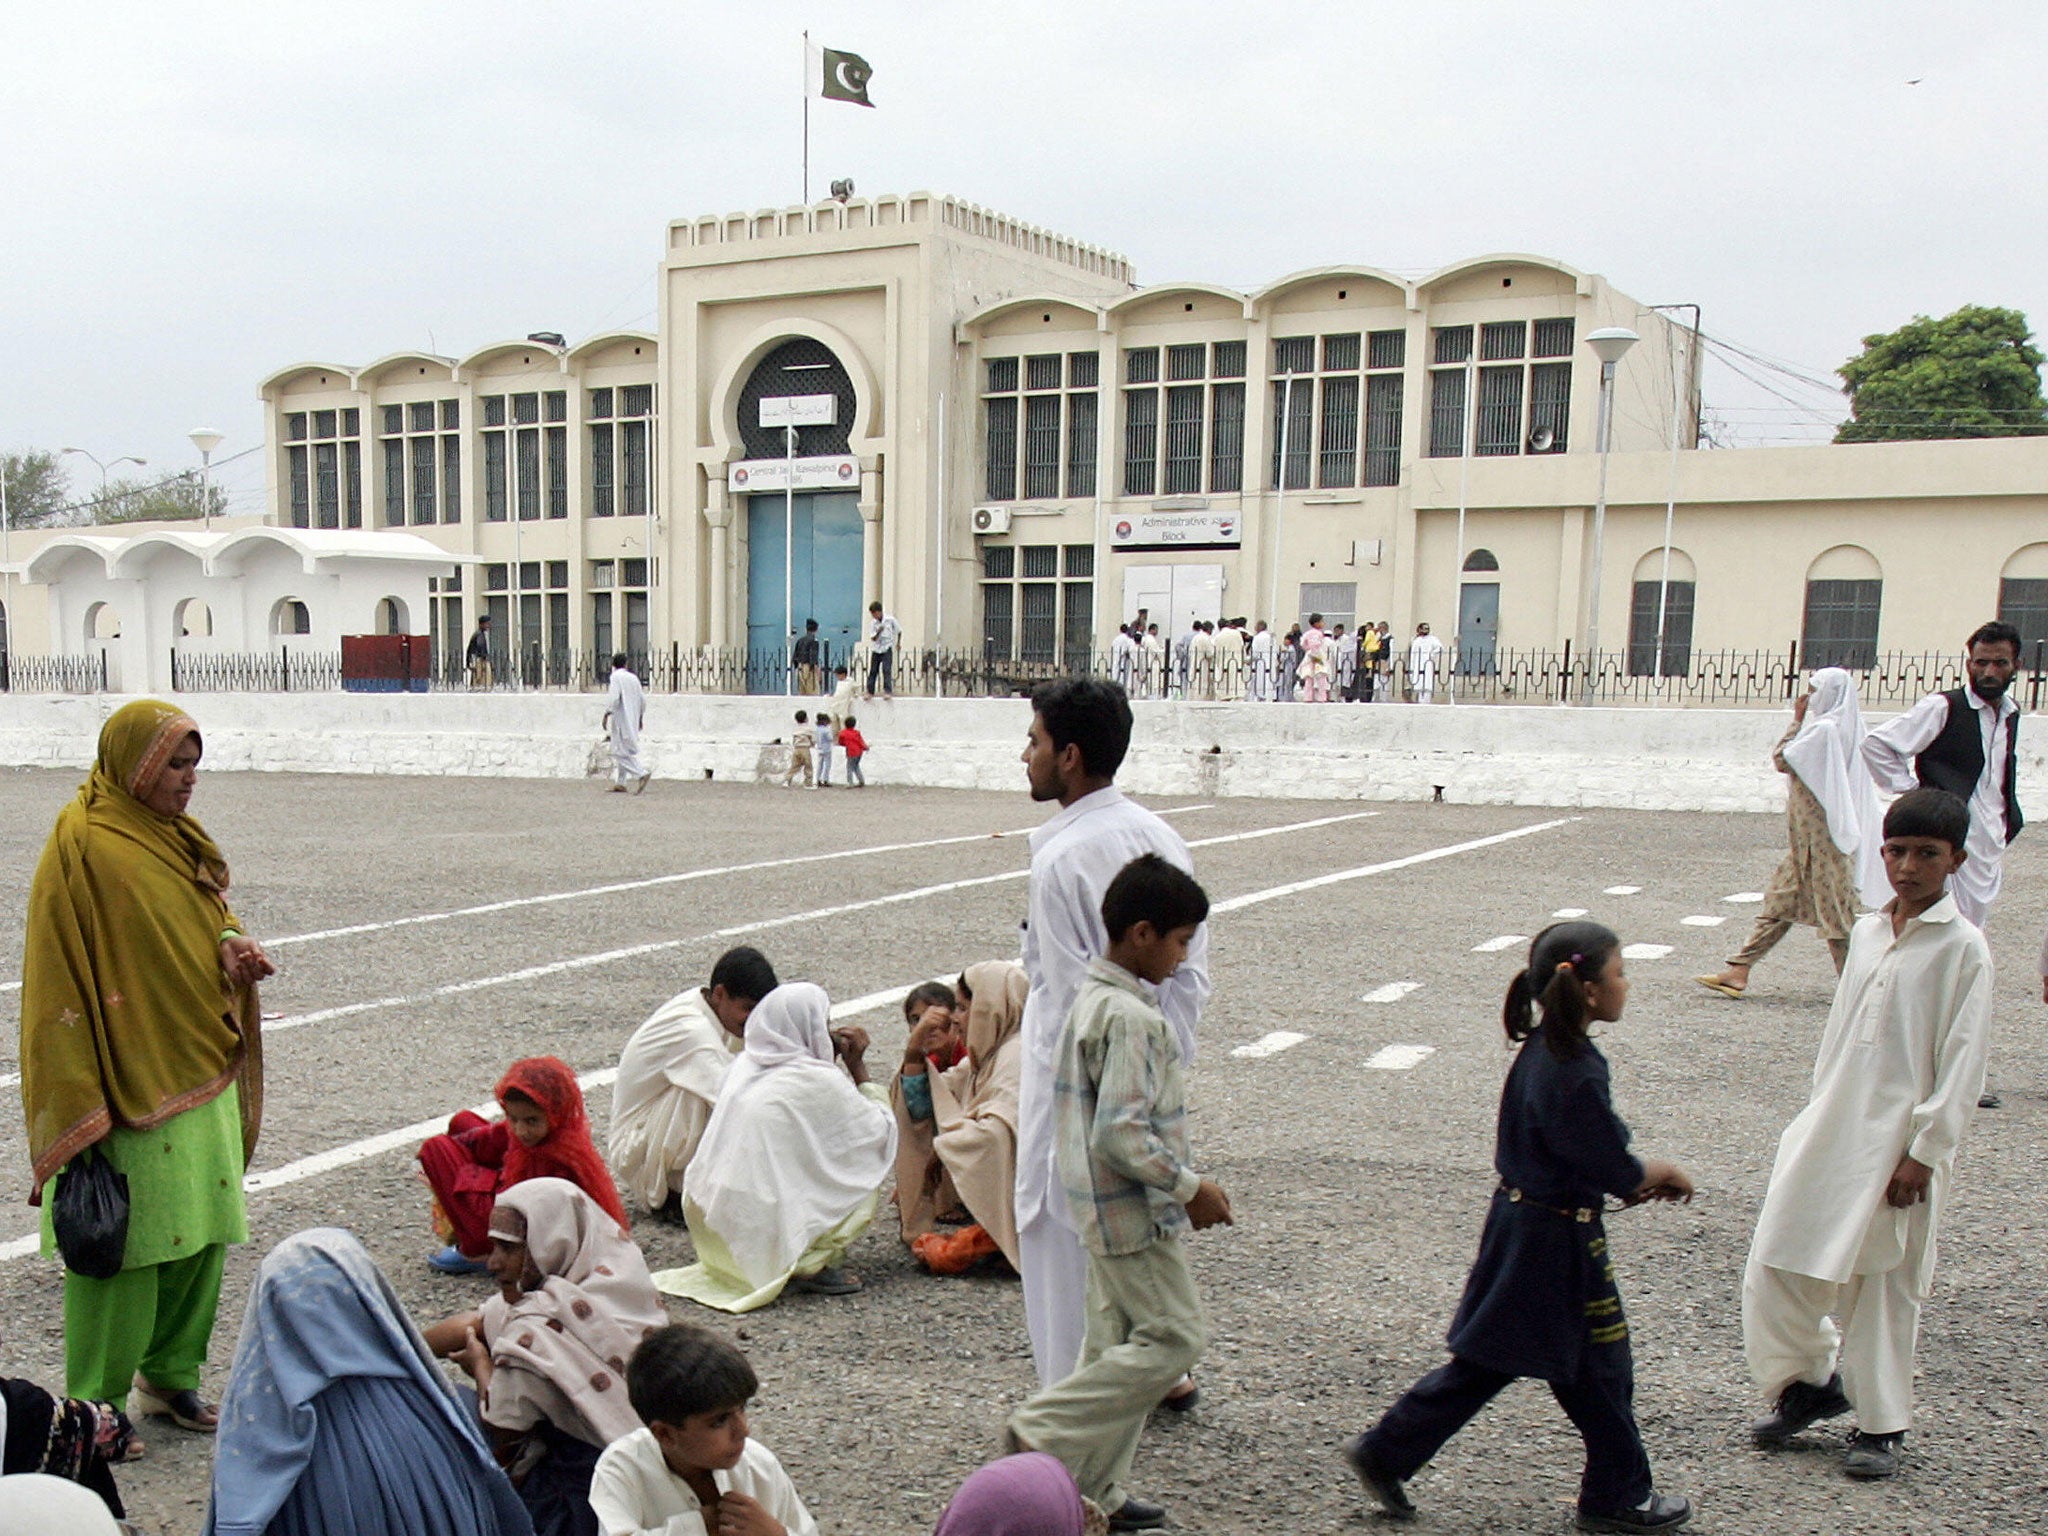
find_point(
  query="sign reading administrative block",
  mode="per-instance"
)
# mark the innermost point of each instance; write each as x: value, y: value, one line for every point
x: 827, y: 472
x: 1176, y: 530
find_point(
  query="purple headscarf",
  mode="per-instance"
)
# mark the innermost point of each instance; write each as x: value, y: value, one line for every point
x: 1028, y: 1495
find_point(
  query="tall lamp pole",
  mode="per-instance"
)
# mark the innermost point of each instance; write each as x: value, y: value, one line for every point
x: 205, y: 439
x: 126, y: 458
x: 1609, y: 344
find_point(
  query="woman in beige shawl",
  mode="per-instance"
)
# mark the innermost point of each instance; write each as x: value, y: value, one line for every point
x: 957, y: 1129
x: 549, y: 1351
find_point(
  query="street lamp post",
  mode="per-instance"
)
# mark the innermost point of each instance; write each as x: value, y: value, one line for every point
x: 1609, y: 344
x: 126, y: 458
x: 205, y: 439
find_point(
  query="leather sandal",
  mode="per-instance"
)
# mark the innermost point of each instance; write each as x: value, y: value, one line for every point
x: 183, y: 1408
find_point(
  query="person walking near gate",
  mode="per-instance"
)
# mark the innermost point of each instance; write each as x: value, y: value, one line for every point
x: 883, y: 633
x: 478, y: 656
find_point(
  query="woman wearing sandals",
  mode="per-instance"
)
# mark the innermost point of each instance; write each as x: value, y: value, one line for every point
x: 138, y: 1039
x: 1835, y: 826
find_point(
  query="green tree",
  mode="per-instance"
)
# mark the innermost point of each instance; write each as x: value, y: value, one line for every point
x: 1975, y: 373
x: 176, y: 499
x: 37, y: 491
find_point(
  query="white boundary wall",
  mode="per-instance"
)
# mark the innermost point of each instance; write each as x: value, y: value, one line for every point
x: 1642, y: 759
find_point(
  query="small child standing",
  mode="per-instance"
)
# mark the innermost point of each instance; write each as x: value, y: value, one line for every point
x: 1541, y: 1299
x: 1862, y: 1174
x: 800, y: 750
x: 1120, y: 1128
x: 855, y: 746
x: 693, y: 1468
x: 545, y: 1135
x: 827, y: 733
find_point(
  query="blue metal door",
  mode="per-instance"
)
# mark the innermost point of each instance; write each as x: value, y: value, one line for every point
x: 824, y: 580
x: 1478, y: 626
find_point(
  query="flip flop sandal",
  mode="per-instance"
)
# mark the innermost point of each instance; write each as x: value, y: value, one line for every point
x: 181, y: 1408
x: 1716, y: 984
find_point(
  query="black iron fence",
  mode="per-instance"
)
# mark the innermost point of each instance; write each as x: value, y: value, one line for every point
x: 1709, y: 678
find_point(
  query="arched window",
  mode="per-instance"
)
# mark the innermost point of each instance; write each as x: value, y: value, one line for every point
x: 391, y: 617
x: 1656, y: 606
x: 2023, y: 597
x: 799, y: 366
x: 1482, y: 560
x: 290, y: 618
x: 191, y: 620
x: 1844, y: 597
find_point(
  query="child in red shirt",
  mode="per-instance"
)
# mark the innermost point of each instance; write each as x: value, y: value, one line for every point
x: 855, y: 746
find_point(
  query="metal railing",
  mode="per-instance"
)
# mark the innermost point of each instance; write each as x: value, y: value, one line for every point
x: 1501, y: 676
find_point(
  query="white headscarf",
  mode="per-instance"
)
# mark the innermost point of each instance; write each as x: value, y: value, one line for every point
x: 793, y: 1147
x: 1827, y: 754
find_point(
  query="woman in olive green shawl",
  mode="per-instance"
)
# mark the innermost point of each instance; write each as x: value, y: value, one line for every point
x: 139, y: 1036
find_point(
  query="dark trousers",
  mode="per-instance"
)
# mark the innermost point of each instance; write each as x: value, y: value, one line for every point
x: 1600, y: 1404
x: 882, y: 664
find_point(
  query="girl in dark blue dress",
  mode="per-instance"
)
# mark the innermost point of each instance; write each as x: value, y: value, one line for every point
x: 1541, y: 1299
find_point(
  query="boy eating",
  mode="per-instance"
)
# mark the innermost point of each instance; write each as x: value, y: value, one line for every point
x: 1856, y: 1193
x: 693, y: 1469
x: 1121, y: 1134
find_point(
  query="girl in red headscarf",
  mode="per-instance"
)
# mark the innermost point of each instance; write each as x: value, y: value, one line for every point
x: 545, y: 1135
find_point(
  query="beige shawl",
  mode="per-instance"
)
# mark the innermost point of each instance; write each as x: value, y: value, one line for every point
x: 971, y: 1139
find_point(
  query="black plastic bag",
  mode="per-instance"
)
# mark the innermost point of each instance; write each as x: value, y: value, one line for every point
x: 91, y: 1215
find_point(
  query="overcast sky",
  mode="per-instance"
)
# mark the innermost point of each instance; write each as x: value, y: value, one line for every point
x: 200, y: 193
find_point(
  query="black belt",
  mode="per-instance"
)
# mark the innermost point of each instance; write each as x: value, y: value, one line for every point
x: 1516, y: 1197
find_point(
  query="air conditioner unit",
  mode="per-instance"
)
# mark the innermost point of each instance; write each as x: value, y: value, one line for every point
x: 991, y: 519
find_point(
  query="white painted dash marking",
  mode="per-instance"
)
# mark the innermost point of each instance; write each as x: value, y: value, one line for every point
x: 1703, y: 920
x: 1621, y: 890
x: 1744, y: 898
x: 1392, y: 992
x: 1398, y: 1058
x: 1505, y: 941
x: 1569, y: 912
x: 1645, y: 951
x: 1271, y: 1045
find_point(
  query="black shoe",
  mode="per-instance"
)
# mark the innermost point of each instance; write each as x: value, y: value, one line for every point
x: 829, y: 1281
x: 1990, y: 1101
x: 1380, y: 1485
x: 1137, y: 1515
x: 1873, y: 1456
x: 1664, y: 1512
x: 1800, y: 1405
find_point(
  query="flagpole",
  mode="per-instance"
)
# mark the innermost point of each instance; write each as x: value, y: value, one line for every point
x: 807, y: 119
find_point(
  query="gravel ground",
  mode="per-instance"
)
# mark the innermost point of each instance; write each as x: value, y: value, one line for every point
x: 1359, y: 1193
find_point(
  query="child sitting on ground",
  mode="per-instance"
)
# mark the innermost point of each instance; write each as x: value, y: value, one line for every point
x: 936, y: 1007
x: 855, y: 746
x: 693, y: 1468
x: 800, y: 750
x: 545, y: 1134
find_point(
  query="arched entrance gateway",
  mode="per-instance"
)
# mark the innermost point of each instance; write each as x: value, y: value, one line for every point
x: 806, y: 542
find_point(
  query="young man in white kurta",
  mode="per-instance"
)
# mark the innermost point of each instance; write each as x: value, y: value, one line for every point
x: 1901, y: 1064
x: 626, y: 712
x: 669, y: 1076
x: 1074, y: 856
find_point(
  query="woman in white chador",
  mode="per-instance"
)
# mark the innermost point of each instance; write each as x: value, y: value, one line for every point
x: 791, y: 1167
x: 1836, y: 829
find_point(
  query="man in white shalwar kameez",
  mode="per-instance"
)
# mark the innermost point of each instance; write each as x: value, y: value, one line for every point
x: 625, y: 712
x: 670, y: 1073
x: 1259, y: 658
x: 1079, y: 734
x: 1862, y: 1175
x: 1423, y: 652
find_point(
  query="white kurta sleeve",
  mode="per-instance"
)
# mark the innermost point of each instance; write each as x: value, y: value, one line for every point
x: 1940, y: 1119
x: 1888, y: 751
x: 1182, y: 994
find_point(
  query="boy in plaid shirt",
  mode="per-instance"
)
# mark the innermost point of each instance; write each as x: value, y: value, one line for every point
x: 1121, y: 1133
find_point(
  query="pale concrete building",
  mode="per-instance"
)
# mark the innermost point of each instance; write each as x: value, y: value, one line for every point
x: 1012, y: 446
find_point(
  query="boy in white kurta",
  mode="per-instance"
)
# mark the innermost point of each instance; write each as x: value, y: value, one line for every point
x: 1856, y: 1194
x: 670, y: 1073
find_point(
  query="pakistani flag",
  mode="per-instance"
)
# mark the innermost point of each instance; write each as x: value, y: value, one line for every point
x: 839, y: 76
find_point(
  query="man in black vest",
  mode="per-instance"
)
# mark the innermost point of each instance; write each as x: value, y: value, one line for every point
x: 1965, y: 741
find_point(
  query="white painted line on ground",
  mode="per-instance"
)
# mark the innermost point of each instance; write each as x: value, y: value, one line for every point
x: 1621, y: 890
x: 1398, y: 1058
x: 1569, y: 912
x: 1408, y: 861
x: 411, y: 1135
x: 1392, y: 992
x: 1645, y: 951
x: 1505, y: 941
x: 1702, y: 920
x: 1270, y: 1045
x: 1743, y: 897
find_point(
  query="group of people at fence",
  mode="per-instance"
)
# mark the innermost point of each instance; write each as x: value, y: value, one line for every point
x: 1037, y: 1124
x: 1228, y: 660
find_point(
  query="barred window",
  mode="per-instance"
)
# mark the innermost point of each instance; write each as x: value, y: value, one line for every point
x: 1324, y: 388
x: 619, y: 431
x: 1036, y: 439
x: 1202, y: 445
x: 422, y: 464
x: 1038, y: 603
x: 324, y: 468
x: 1523, y: 406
